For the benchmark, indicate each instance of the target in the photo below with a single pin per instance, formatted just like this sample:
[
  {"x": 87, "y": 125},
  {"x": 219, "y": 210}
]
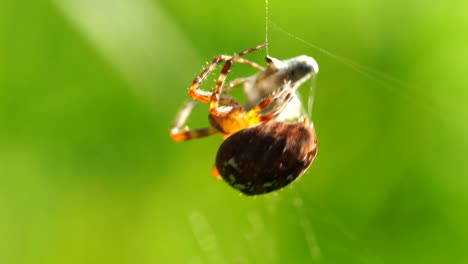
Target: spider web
[
  {"x": 393, "y": 85},
  {"x": 266, "y": 229}
]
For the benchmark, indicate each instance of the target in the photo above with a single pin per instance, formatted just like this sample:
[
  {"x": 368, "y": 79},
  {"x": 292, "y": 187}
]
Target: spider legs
[
  {"x": 204, "y": 96},
  {"x": 251, "y": 63},
  {"x": 214, "y": 100},
  {"x": 286, "y": 92},
  {"x": 178, "y": 134}
]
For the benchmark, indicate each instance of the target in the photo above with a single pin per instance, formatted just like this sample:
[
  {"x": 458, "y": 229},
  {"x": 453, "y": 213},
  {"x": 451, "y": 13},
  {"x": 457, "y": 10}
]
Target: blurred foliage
[{"x": 88, "y": 90}]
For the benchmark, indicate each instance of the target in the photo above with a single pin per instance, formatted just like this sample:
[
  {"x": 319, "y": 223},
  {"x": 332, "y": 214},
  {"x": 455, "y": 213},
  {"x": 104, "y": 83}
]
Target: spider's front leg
[
  {"x": 215, "y": 96},
  {"x": 200, "y": 95},
  {"x": 205, "y": 96}
]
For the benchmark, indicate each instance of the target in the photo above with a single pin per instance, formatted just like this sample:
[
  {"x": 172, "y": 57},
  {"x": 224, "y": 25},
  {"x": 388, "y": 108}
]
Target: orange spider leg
[
  {"x": 214, "y": 99},
  {"x": 254, "y": 115},
  {"x": 205, "y": 96},
  {"x": 215, "y": 173},
  {"x": 251, "y": 63},
  {"x": 178, "y": 134}
]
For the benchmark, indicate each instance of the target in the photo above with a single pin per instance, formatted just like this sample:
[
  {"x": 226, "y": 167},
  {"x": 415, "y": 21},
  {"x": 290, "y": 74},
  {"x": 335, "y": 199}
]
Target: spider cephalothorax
[{"x": 269, "y": 142}]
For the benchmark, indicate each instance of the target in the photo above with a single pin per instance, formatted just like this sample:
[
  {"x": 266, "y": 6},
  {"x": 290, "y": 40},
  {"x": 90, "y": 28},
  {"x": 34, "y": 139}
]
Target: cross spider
[{"x": 268, "y": 141}]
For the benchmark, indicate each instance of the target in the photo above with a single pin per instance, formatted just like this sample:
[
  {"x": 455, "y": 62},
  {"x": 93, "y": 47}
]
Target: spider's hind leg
[
  {"x": 193, "y": 134},
  {"x": 178, "y": 134}
]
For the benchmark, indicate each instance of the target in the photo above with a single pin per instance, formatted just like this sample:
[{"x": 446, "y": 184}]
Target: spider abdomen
[{"x": 266, "y": 157}]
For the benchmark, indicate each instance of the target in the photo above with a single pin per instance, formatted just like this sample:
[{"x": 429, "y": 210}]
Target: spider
[{"x": 268, "y": 141}]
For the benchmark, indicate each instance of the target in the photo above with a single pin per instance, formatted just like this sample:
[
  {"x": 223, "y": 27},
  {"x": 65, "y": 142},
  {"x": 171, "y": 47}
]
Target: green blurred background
[{"x": 88, "y": 173}]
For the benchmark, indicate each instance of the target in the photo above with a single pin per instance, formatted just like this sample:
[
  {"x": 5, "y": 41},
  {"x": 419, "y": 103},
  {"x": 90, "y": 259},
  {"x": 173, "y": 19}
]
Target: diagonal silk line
[{"x": 136, "y": 37}]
